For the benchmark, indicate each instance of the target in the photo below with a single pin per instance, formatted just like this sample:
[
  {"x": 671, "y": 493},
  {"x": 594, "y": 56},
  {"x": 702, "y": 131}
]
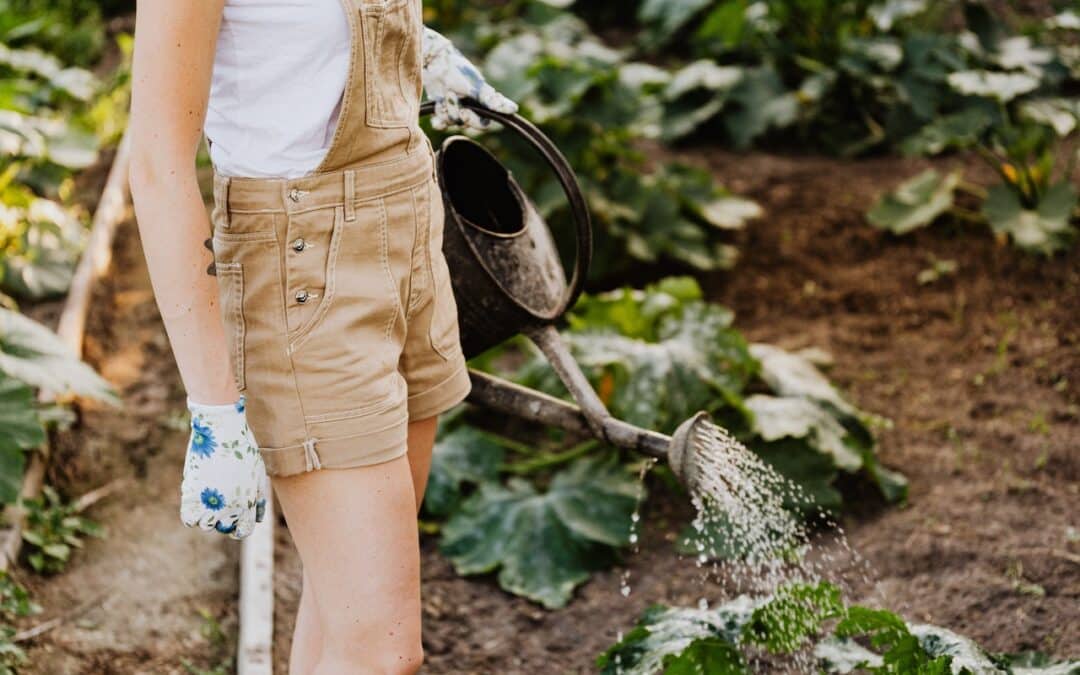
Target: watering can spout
[
  {"x": 682, "y": 452},
  {"x": 679, "y": 450}
]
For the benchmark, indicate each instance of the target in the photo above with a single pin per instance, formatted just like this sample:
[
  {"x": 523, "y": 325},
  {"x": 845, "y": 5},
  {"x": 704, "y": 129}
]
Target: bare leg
[
  {"x": 307, "y": 634},
  {"x": 355, "y": 530},
  {"x": 421, "y": 440}
]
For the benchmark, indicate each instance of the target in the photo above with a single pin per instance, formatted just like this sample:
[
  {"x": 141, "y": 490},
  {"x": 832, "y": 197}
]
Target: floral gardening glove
[
  {"x": 449, "y": 77},
  {"x": 225, "y": 484}
]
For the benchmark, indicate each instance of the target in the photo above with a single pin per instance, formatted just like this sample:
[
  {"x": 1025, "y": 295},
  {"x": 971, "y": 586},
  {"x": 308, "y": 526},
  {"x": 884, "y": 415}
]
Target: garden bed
[{"x": 978, "y": 372}]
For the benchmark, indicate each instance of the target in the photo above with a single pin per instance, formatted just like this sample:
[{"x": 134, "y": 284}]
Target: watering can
[{"x": 508, "y": 278}]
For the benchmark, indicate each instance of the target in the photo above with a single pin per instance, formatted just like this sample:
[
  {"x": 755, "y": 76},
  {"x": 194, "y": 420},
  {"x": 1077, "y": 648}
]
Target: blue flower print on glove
[{"x": 225, "y": 485}]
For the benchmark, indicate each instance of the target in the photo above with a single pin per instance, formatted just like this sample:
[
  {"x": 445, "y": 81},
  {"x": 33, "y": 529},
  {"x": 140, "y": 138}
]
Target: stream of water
[{"x": 749, "y": 536}]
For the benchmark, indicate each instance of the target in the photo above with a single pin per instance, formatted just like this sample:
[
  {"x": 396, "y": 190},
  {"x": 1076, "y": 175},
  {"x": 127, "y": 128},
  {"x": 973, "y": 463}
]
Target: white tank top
[{"x": 279, "y": 74}]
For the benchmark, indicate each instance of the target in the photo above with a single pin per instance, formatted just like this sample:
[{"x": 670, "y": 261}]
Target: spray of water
[{"x": 748, "y": 537}]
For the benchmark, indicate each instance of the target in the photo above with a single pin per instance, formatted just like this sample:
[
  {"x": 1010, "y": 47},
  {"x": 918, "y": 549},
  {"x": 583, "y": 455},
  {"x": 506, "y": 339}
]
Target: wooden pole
[{"x": 254, "y": 650}]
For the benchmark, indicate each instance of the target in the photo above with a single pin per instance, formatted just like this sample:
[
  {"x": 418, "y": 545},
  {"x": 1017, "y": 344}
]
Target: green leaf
[
  {"x": 793, "y": 375},
  {"x": 12, "y": 466},
  {"x": 1060, "y": 114},
  {"x": 58, "y": 551},
  {"x": 793, "y": 616},
  {"x": 544, "y": 543},
  {"x": 1036, "y": 663},
  {"x": 961, "y": 652},
  {"x": 696, "y": 94},
  {"x": 950, "y": 132},
  {"x": 804, "y": 465},
  {"x": 664, "y": 633},
  {"x": 1019, "y": 53},
  {"x": 825, "y": 421},
  {"x": 730, "y": 213},
  {"x": 709, "y": 655},
  {"x": 77, "y": 82},
  {"x": 763, "y": 104},
  {"x": 776, "y": 418},
  {"x": 666, "y": 17},
  {"x": 461, "y": 456},
  {"x": 1046, "y": 229},
  {"x": 696, "y": 362},
  {"x": 916, "y": 203},
  {"x": 888, "y": 633},
  {"x": 886, "y": 14},
  {"x": 844, "y": 655},
  {"x": 20, "y": 429},
  {"x": 1002, "y": 87},
  {"x": 19, "y": 423},
  {"x": 32, "y": 353}
]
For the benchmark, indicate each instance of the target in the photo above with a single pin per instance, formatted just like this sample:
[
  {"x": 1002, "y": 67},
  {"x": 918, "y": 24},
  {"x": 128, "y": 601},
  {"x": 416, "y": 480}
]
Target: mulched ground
[{"x": 979, "y": 371}]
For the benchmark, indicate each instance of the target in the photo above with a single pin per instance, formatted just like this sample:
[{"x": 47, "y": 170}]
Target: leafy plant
[
  {"x": 12, "y": 655},
  {"x": 597, "y": 106},
  {"x": 32, "y": 353},
  {"x": 74, "y": 30},
  {"x": 53, "y": 529},
  {"x": 852, "y": 76},
  {"x": 916, "y": 202},
  {"x": 545, "y": 542},
  {"x": 15, "y": 600},
  {"x": 217, "y": 640},
  {"x": 658, "y": 355},
  {"x": 1029, "y": 206},
  {"x": 666, "y": 636},
  {"x": 544, "y": 516},
  {"x": 20, "y": 429},
  {"x": 721, "y": 639}
]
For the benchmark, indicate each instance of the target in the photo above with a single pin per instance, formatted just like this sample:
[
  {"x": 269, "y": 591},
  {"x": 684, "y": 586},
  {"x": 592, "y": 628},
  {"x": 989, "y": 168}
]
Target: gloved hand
[
  {"x": 449, "y": 77},
  {"x": 225, "y": 484}
]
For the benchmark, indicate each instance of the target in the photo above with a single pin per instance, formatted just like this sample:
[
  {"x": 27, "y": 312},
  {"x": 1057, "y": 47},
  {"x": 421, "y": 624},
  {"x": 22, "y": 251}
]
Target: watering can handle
[{"x": 565, "y": 174}]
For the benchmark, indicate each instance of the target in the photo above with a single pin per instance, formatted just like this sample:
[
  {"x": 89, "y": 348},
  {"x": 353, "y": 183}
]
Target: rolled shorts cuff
[
  {"x": 441, "y": 397},
  {"x": 386, "y": 442}
]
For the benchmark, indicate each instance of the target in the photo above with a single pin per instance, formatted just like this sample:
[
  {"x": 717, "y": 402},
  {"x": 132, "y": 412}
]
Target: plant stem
[
  {"x": 967, "y": 215},
  {"x": 972, "y": 189},
  {"x": 510, "y": 444},
  {"x": 547, "y": 461}
]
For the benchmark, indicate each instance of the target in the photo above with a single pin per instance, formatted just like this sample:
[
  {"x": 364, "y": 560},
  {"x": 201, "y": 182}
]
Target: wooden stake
[{"x": 254, "y": 650}]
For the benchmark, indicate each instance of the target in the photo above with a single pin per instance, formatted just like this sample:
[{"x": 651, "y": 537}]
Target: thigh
[{"x": 356, "y": 533}]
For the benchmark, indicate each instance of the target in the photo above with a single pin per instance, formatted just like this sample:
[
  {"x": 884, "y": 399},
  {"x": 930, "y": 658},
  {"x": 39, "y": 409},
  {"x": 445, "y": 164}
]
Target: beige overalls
[{"x": 335, "y": 294}]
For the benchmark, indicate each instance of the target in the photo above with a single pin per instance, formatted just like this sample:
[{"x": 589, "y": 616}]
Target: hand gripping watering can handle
[{"x": 565, "y": 174}]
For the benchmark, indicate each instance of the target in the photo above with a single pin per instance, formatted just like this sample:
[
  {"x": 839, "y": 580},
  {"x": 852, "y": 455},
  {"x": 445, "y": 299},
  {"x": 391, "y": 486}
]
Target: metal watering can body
[
  {"x": 505, "y": 267},
  {"x": 508, "y": 278}
]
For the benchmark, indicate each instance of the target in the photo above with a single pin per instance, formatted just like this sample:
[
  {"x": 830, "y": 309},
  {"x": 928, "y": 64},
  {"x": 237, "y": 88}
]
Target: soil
[
  {"x": 979, "y": 372},
  {"x": 151, "y": 595}
]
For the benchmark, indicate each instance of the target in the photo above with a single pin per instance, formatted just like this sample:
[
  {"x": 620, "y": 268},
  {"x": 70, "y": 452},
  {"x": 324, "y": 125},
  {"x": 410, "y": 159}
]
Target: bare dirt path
[{"x": 153, "y": 593}]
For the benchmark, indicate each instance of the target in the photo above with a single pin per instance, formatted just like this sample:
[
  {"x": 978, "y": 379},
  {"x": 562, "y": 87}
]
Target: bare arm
[{"x": 174, "y": 54}]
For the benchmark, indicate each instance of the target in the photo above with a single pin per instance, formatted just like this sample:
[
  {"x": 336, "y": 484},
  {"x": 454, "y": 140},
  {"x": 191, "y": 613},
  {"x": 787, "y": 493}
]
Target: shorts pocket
[
  {"x": 311, "y": 251},
  {"x": 231, "y": 295},
  {"x": 443, "y": 331},
  {"x": 392, "y": 50}
]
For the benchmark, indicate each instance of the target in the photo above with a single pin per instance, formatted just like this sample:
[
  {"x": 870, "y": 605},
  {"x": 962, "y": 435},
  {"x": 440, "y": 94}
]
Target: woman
[{"x": 315, "y": 332}]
